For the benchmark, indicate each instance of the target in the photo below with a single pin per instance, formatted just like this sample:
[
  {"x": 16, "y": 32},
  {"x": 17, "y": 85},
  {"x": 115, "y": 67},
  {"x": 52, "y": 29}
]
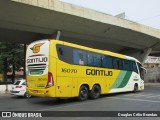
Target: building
[{"x": 152, "y": 64}]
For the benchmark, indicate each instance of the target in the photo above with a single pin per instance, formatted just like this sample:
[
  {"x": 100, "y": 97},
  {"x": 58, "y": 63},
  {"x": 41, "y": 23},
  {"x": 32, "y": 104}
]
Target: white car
[{"x": 19, "y": 89}]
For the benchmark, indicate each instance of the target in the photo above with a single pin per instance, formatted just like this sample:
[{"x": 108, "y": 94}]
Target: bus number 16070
[{"x": 66, "y": 70}]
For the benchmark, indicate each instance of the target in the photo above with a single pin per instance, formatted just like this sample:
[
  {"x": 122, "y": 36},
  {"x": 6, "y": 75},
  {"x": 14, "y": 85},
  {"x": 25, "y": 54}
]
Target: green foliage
[{"x": 13, "y": 54}]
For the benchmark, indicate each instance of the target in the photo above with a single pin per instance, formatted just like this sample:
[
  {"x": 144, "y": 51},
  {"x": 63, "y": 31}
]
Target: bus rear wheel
[
  {"x": 83, "y": 93},
  {"x": 95, "y": 92}
]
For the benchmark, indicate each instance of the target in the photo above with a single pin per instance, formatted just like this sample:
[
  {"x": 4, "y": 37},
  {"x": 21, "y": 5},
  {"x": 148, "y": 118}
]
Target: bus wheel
[
  {"x": 95, "y": 92},
  {"x": 135, "y": 88},
  {"x": 83, "y": 93}
]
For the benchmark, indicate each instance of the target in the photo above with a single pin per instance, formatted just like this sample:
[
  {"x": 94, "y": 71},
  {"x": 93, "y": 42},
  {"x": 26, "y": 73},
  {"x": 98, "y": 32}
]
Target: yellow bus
[{"x": 60, "y": 69}]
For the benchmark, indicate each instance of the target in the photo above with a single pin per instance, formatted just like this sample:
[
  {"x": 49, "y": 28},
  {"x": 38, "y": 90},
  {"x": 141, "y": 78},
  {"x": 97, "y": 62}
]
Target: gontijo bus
[{"x": 61, "y": 69}]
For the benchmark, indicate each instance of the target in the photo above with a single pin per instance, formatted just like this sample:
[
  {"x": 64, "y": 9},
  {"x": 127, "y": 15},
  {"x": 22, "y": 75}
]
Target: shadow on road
[
  {"x": 50, "y": 101},
  {"x": 53, "y": 101}
]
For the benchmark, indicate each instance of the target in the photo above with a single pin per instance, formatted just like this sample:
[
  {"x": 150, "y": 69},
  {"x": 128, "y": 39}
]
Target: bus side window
[
  {"x": 65, "y": 53},
  {"x": 107, "y": 62},
  {"x": 60, "y": 51},
  {"x": 126, "y": 65},
  {"x": 94, "y": 59},
  {"x": 79, "y": 57},
  {"x": 117, "y": 63}
]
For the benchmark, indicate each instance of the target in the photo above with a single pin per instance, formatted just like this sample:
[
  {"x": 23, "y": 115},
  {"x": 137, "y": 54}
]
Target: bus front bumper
[{"x": 141, "y": 87}]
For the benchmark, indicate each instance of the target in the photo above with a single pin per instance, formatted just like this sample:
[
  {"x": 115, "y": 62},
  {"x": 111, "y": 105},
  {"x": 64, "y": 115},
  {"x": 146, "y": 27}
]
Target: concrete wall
[
  {"x": 3, "y": 88},
  {"x": 153, "y": 74}
]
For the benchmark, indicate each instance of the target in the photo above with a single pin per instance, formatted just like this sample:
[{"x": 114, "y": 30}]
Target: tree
[{"x": 11, "y": 55}]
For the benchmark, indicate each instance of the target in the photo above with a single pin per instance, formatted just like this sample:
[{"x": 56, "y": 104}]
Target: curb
[{"x": 152, "y": 84}]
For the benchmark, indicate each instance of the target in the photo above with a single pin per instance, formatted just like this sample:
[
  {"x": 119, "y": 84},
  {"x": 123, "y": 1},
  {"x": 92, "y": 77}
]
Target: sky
[{"x": 146, "y": 12}]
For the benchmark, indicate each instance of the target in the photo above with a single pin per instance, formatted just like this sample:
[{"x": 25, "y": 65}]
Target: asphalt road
[{"x": 148, "y": 100}]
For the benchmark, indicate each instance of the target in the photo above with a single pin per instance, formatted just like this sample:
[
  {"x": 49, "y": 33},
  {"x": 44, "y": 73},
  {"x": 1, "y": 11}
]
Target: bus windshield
[{"x": 142, "y": 71}]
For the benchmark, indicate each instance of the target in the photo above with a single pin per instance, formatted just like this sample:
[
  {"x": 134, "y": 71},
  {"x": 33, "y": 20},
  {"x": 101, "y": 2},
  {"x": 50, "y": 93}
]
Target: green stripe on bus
[
  {"x": 125, "y": 80},
  {"x": 119, "y": 79}
]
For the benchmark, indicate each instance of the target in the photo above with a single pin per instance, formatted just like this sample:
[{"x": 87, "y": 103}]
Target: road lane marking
[
  {"x": 143, "y": 95},
  {"x": 129, "y": 95},
  {"x": 75, "y": 104},
  {"x": 153, "y": 96},
  {"x": 94, "y": 101},
  {"x": 137, "y": 95},
  {"x": 154, "y": 101}
]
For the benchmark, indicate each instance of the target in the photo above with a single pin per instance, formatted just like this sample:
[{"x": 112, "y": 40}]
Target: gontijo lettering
[
  {"x": 98, "y": 72},
  {"x": 35, "y": 60}
]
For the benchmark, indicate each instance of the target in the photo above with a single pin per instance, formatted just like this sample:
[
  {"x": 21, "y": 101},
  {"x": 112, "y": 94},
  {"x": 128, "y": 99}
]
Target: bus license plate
[{"x": 35, "y": 91}]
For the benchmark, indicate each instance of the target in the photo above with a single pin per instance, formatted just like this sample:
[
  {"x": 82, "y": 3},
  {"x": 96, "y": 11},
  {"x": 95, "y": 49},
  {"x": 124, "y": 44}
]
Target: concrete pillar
[
  {"x": 141, "y": 55},
  {"x": 58, "y": 35},
  {"x": 145, "y": 55},
  {"x": 24, "y": 68}
]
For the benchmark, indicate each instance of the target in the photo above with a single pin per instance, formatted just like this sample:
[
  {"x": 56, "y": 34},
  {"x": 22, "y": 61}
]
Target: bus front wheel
[
  {"x": 95, "y": 92},
  {"x": 83, "y": 93},
  {"x": 135, "y": 88}
]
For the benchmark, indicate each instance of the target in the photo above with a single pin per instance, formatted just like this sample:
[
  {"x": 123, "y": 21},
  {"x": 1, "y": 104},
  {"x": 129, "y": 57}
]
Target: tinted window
[
  {"x": 141, "y": 71},
  {"x": 117, "y": 63},
  {"x": 107, "y": 62},
  {"x": 65, "y": 53},
  {"x": 79, "y": 57},
  {"x": 126, "y": 65},
  {"x": 24, "y": 83},
  {"x": 94, "y": 59},
  {"x": 134, "y": 67},
  {"x": 17, "y": 83}
]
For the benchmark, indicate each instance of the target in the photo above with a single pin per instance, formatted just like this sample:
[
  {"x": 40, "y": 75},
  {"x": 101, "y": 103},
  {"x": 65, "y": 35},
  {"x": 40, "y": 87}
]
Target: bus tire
[
  {"x": 95, "y": 92},
  {"x": 83, "y": 93},
  {"x": 135, "y": 88}
]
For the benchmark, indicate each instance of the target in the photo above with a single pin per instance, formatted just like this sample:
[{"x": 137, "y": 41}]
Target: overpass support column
[
  {"x": 58, "y": 34},
  {"x": 141, "y": 55},
  {"x": 146, "y": 53}
]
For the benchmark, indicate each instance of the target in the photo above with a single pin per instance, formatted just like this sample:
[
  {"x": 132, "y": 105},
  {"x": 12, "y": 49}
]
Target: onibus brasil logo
[{"x": 36, "y": 47}]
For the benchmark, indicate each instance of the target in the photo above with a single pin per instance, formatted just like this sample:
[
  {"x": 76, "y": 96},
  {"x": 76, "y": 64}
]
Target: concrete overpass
[{"x": 23, "y": 21}]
